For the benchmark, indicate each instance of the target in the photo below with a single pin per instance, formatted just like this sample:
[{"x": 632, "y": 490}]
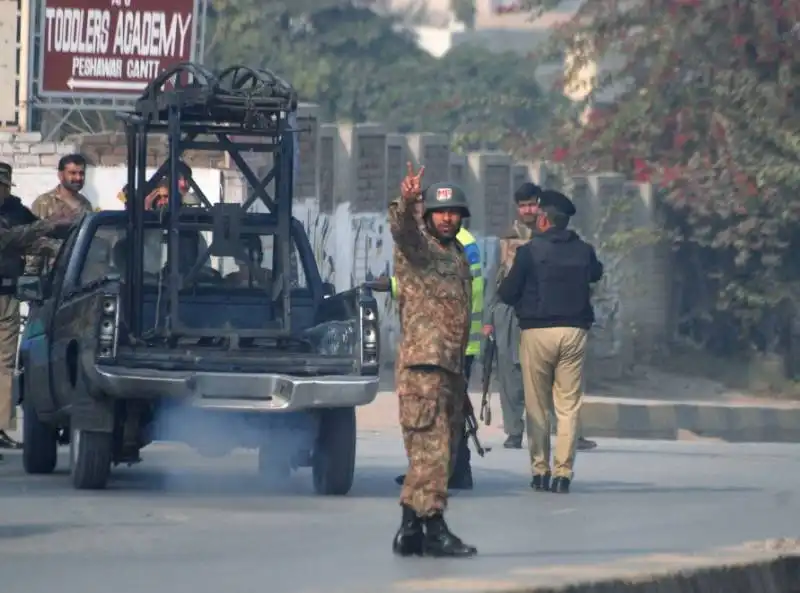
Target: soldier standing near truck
[
  {"x": 461, "y": 478},
  {"x": 63, "y": 201},
  {"x": 435, "y": 289},
  {"x": 20, "y": 231}
]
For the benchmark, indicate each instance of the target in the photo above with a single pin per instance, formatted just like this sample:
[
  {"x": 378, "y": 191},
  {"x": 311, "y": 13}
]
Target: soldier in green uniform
[
  {"x": 20, "y": 233},
  {"x": 63, "y": 201},
  {"x": 435, "y": 293}
]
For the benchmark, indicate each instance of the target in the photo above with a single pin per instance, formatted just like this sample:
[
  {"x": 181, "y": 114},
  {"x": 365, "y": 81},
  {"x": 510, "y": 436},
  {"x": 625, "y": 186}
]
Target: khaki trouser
[
  {"x": 552, "y": 371},
  {"x": 9, "y": 336}
]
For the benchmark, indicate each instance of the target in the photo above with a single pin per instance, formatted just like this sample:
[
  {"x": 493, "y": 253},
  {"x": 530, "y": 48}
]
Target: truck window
[{"x": 108, "y": 254}]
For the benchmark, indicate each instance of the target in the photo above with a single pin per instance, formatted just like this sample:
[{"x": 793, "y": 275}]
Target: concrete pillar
[
  {"x": 396, "y": 157},
  {"x": 490, "y": 190},
  {"x": 306, "y": 183},
  {"x": 328, "y": 139},
  {"x": 360, "y": 159},
  {"x": 458, "y": 169},
  {"x": 433, "y": 151}
]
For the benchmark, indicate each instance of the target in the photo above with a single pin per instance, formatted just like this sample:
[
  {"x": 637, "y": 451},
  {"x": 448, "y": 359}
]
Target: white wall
[{"x": 102, "y": 184}]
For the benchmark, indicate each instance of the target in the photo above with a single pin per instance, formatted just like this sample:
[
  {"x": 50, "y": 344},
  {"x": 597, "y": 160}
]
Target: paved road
[{"x": 179, "y": 523}]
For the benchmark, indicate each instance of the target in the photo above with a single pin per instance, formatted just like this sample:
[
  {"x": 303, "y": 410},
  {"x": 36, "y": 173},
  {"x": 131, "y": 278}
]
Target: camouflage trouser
[
  {"x": 9, "y": 334},
  {"x": 432, "y": 419}
]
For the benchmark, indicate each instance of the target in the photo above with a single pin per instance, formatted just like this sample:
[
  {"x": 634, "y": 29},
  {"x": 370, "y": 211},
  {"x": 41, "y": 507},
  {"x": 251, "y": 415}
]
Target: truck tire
[
  {"x": 334, "y": 461},
  {"x": 90, "y": 459},
  {"x": 39, "y": 442}
]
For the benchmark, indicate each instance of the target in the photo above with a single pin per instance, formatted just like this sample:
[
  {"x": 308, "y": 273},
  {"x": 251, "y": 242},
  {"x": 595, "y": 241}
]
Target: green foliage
[
  {"x": 705, "y": 105},
  {"x": 362, "y": 66}
]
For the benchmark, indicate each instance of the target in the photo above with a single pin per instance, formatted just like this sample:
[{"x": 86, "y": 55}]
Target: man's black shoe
[
  {"x": 585, "y": 444},
  {"x": 560, "y": 485},
  {"x": 408, "y": 539},
  {"x": 6, "y": 442},
  {"x": 457, "y": 482},
  {"x": 541, "y": 482},
  {"x": 514, "y": 441},
  {"x": 440, "y": 542}
]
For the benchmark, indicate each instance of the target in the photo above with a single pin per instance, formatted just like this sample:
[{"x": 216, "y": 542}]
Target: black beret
[
  {"x": 527, "y": 191},
  {"x": 550, "y": 198}
]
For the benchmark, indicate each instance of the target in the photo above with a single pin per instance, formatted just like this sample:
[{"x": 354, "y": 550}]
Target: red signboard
[{"x": 113, "y": 47}]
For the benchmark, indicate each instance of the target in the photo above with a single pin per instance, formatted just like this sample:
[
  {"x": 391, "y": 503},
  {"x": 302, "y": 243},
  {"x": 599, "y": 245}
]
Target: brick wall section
[
  {"x": 437, "y": 162},
  {"x": 498, "y": 191},
  {"x": 110, "y": 150},
  {"x": 395, "y": 169},
  {"x": 370, "y": 174},
  {"x": 306, "y": 181},
  {"x": 326, "y": 174},
  {"x": 27, "y": 149}
]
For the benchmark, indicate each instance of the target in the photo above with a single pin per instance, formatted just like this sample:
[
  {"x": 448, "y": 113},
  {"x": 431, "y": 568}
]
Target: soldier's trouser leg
[
  {"x": 9, "y": 335},
  {"x": 430, "y": 402},
  {"x": 461, "y": 461},
  {"x": 552, "y": 368},
  {"x": 512, "y": 394}
]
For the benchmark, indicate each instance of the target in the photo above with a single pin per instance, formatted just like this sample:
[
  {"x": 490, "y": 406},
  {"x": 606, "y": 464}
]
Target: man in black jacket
[{"x": 549, "y": 287}]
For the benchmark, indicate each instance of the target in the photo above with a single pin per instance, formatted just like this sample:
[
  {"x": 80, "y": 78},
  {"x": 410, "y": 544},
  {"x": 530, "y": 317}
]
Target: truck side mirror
[
  {"x": 30, "y": 289},
  {"x": 328, "y": 290}
]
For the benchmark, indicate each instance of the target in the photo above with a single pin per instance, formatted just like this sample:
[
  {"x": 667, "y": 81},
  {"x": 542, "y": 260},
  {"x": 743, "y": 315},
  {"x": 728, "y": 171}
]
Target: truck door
[{"x": 38, "y": 334}]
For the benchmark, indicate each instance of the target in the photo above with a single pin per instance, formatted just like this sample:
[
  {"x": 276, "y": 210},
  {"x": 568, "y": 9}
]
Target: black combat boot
[
  {"x": 408, "y": 540},
  {"x": 560, "y": 485},
  {"x": 439, "y": 542},
  {"x": 541, "y": 482}
]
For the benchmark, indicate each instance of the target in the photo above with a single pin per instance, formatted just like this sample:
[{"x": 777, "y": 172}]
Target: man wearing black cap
[{"x": 549, "y": 287}]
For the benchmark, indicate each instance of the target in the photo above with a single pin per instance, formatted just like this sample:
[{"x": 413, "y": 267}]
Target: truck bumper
[{"x": 254, "y": 392}]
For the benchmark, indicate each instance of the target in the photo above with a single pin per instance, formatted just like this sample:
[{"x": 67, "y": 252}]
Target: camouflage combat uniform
[
  {"x": 435, "y": 295},
  {"x": 20, "y": 232},
  {"x": 46, "y": 206}
]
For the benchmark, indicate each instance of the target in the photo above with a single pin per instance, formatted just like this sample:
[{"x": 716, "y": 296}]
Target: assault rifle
[
  {"x": 472, "y": 426},
  {"x": 489, "y": 351}
]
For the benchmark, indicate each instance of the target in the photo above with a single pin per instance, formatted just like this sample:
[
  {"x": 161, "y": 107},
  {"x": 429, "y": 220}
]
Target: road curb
[
  {"x": 663, "y": 420},
  {"x": 745, "y": 569}
]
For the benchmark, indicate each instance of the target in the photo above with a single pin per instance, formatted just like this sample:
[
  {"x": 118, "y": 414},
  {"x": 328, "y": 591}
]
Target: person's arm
[
  {"x": 513, "y": 285},
  {"x": 26, "y": 237},
  {"x": 595, "y": 267},
  {"x": 407, "y": 234}
]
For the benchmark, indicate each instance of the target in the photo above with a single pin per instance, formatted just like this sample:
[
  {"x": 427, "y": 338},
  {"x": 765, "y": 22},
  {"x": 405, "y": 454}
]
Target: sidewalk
[{"x": 680, "y": 412}]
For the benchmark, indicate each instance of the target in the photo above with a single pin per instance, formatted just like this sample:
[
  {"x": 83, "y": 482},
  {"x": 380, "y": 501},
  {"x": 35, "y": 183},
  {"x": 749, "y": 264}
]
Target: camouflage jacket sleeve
[
  {"x": 25, "y": 237},
  {"x": 406, "y": 232}
]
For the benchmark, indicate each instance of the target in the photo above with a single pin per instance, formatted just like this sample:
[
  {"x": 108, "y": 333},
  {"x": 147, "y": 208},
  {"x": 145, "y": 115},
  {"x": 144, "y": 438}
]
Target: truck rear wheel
[
  {"x": 334, "y": 461},
  {"x": 39, "y": 442},
  {"x": 90, "y": 457}
]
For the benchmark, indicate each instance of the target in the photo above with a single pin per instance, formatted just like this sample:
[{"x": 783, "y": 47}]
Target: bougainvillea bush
[{"x": 703, "y": 100}]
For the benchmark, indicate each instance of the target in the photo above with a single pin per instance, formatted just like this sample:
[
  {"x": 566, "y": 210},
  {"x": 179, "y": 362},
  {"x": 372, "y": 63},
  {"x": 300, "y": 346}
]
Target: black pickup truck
[{"x": 83, "y": 378}]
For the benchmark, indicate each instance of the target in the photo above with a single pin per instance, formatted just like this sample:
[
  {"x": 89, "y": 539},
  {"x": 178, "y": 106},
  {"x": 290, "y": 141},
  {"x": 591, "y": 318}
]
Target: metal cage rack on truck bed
[{"x": 235, "y": 110}]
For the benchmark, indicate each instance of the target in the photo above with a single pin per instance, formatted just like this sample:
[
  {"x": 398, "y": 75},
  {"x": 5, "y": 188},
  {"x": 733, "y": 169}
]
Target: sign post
[{"x": 113, "y": 48}]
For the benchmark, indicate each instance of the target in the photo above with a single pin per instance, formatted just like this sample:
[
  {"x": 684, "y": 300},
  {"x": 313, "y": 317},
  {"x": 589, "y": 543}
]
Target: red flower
[
  {"x": 559, "y": 154},
  {"x": 739, "y": 41}
]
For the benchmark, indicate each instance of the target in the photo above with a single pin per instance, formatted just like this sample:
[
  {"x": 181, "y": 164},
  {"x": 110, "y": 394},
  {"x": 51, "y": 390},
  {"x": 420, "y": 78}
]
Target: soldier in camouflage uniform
[
  {"x": 63, "y": 201},
  {"x": 435, "y": 292},
  {"x": 20, "y": 232}
]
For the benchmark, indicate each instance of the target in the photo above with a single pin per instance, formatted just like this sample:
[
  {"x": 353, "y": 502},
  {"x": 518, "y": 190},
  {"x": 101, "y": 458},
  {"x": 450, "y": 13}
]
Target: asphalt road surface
[{"x": 180, "y": 523}]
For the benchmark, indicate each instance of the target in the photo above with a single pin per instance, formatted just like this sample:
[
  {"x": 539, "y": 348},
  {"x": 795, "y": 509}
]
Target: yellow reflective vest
[{"x": 473, "y": 253}]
